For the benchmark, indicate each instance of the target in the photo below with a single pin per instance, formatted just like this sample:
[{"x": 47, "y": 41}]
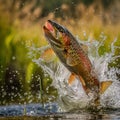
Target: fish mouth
[{"x": 53, "y": 32}]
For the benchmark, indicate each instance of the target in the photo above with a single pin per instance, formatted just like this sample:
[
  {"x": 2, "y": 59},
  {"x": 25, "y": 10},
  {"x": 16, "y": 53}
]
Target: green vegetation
[{"x": 21, "y": 80}]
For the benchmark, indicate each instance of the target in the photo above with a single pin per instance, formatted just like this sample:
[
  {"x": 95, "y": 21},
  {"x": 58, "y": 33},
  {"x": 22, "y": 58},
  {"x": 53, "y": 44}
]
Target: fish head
[
  {"x": 56, "y": 35},
  {"x": 62, "y": 42}
]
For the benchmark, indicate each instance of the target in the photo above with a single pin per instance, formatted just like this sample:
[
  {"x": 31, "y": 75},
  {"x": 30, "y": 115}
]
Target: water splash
[{"x": 73, "y": 96}]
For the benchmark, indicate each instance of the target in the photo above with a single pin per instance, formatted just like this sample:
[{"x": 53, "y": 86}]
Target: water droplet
[{"x": 13, "y": 57}]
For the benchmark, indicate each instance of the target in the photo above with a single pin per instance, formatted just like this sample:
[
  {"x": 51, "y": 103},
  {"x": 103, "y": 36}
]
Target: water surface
[{"x": 50, "y": 112}]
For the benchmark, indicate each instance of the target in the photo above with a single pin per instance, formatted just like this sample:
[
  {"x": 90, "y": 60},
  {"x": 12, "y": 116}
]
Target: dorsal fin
[{"x": 85, "y": 48}]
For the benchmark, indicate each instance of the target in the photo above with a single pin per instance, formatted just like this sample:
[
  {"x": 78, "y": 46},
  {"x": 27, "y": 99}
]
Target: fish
[{"x": 72, "y": 55}]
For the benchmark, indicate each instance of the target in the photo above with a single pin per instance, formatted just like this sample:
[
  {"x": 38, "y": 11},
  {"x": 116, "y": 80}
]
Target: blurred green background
[{"x": 21, "y": 21}]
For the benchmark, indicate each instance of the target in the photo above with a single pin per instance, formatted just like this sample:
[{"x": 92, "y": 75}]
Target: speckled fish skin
[{"x": 71, "y": 54}]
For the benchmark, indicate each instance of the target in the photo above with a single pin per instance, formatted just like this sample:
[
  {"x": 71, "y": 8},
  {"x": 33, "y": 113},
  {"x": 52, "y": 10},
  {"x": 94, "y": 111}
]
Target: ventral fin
[
  {"x": 48, "y": 55},
  {"x": 104, "y": 85},
  {"x": 71, "y": 78}
]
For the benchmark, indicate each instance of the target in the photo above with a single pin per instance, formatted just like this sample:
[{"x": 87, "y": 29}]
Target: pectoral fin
[
  {"x": 48, "y": 55},
  {"x": 104, "y": 85},
  {"x": 70, "y": 61}
]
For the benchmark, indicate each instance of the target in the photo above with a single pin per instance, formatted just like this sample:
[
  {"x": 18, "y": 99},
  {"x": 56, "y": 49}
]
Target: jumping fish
[{"x": 72, "y": 55}]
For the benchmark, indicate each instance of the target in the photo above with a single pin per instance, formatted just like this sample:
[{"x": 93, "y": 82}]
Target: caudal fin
[{"x": 104, "y": 85}]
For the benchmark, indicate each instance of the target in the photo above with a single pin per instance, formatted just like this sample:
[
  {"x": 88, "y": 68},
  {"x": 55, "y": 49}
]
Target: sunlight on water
[{"x": 73, "y": 96}]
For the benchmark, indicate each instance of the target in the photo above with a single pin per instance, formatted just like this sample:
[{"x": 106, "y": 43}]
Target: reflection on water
[{"x": 49, "y": 112}]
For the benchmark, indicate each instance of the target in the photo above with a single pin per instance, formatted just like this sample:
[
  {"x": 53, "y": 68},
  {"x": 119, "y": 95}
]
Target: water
[
  {"x": 28, "y": 109},
  {"x": 49, "y": 112},
  {"x": 72, "y": 102}
]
